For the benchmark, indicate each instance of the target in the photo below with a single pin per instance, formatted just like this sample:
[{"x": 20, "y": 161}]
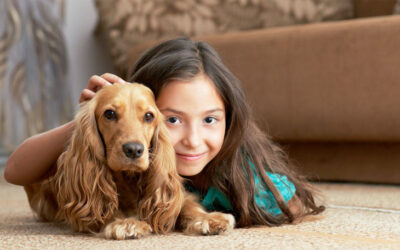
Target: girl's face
[{"x": 195, "y": 118}]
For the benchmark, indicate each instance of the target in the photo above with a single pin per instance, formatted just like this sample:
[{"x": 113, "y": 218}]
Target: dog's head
[
  {"x": 120, "y": 129},
  {"x": 126, "y": 117}
]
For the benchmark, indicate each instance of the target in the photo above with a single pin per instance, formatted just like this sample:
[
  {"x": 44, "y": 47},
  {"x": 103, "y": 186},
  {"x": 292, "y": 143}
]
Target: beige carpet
[{"x": 359, "y": 217}]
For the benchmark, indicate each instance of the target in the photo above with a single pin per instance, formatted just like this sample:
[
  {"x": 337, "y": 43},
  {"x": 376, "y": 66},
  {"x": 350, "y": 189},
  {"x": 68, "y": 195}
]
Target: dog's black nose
[{"x": 133, "y": 150}]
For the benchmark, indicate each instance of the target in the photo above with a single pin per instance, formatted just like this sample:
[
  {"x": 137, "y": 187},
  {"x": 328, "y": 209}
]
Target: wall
[{"x": 85, "y": 54}]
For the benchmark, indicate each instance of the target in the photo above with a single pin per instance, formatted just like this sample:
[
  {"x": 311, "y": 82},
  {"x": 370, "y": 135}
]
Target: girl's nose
[{"x": 192, "y": 137}]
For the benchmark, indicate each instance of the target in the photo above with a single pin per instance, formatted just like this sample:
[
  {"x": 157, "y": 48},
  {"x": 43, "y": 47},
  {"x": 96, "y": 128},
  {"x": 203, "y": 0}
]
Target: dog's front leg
[
  {"x": 126, "y": 228},
  {"x": 193, "y": 219}
]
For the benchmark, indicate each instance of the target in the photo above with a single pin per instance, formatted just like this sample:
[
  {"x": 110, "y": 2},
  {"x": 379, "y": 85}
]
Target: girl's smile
[
  {"x": 195, "y": 118},
  {"x": 190, "y": 157}
]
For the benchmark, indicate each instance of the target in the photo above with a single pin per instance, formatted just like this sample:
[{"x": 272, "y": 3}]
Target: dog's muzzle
[{"x": 133, "y": 150}]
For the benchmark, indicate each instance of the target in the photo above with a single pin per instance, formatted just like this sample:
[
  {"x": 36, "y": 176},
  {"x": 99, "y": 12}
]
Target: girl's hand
[{"x": 97, "y": 82}]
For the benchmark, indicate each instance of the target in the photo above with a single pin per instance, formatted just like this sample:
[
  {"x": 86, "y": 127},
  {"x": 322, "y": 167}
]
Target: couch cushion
[
  {"x": 126, "y": 23},
  {"x": 334, "y": 81}
]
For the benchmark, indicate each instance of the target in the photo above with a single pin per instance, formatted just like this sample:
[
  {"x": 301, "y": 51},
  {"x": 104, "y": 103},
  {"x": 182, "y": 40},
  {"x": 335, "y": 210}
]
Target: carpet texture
[{"x": 358, "y": 217}]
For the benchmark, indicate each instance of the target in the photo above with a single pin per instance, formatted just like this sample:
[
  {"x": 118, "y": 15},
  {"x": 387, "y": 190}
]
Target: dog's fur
[{"x": 98, "y": 188}]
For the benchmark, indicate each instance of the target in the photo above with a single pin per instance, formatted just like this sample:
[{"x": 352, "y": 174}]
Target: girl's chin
[
  {"x": 188, "y": 173},
  {"x": 189, "y": 170}
]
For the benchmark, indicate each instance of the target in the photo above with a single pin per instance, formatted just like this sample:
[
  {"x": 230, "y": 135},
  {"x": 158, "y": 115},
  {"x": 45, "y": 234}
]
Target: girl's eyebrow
[
  {"x": 181, "y": 112},
  {"x": 172, "y": 110},
  {"x": 214, "y": 110}
]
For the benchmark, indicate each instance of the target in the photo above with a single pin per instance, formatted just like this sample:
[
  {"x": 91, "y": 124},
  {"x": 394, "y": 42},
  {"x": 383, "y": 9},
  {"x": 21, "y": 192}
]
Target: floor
[{"x": 358, "y": 216}]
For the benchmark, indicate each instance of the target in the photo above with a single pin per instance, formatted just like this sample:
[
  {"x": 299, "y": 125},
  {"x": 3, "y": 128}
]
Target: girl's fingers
[
  {"x": 96, "y": 82},
  {"x": 112, "y": 78},
  {"x": 86, "y": 95}
]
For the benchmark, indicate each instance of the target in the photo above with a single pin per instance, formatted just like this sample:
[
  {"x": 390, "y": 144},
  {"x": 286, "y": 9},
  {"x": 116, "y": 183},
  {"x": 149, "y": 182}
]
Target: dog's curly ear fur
[
  {"x": 163, "y": 195},
  {"x": 85, "y": 188}
]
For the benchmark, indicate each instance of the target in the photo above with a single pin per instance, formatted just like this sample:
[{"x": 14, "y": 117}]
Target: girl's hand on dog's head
[{"x": 97, "y": 82}]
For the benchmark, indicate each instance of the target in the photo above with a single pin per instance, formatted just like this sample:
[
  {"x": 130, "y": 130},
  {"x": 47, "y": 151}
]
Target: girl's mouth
[{"x": 190, "y": 157}]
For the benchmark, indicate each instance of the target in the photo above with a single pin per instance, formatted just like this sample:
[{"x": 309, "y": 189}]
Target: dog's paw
[
  {"x": 129, "y": 228},
  {"x": 211, "y": 224}
]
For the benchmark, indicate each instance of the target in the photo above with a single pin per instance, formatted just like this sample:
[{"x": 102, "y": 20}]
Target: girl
[{"x": 225, "y": 158}]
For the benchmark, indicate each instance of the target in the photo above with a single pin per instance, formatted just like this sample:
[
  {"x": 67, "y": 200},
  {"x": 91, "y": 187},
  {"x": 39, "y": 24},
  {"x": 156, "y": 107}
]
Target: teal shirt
[{"x": 215, "y": 200}]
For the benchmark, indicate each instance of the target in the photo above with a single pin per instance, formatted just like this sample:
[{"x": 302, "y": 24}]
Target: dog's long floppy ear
[
  {"x": 86, "y": 192},
  {"x": 163, "y": 195}
]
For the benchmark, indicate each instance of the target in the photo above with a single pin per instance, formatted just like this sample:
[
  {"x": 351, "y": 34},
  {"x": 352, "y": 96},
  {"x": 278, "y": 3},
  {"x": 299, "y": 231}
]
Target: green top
[{"x": 215, "y": 200}]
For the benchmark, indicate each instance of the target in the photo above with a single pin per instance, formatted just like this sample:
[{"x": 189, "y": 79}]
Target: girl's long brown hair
[{"x": 230, "y": 171}]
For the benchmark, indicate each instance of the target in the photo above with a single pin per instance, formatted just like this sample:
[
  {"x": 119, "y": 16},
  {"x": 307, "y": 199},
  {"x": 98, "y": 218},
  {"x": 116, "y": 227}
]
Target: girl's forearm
[{"x": 34, "y": 158}]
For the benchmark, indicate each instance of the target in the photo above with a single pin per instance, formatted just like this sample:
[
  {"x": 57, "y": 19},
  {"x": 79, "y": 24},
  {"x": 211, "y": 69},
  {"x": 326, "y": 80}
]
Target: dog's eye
[
  {"x": 110, "y": 114},
  {"x": 148, "y": 117}
]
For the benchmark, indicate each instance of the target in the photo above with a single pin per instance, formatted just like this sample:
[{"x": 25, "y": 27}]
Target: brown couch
[{"x": 328, "y": 92}]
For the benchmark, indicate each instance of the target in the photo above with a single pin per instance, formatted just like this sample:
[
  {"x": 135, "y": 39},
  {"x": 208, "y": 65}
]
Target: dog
[{"x": 117, "y": 177}]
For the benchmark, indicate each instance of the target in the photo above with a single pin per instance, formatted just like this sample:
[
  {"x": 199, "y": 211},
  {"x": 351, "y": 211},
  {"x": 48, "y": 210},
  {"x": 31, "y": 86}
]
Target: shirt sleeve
[{"x": 264, "y": 197}]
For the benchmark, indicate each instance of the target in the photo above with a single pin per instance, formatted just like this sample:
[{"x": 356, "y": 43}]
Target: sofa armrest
[{"x": 334, "y": 81}]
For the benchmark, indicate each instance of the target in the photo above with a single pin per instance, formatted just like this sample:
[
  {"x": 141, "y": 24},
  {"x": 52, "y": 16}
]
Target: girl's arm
[{"x": 35, "y": 157}]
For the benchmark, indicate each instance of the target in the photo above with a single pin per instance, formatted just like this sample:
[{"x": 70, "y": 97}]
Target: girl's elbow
[
  {"x": 9, "y": 173},
  {"x": 295, "y": 206},
  {"x": 13, "y": 171}
]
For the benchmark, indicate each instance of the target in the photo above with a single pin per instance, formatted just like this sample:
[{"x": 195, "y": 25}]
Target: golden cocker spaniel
[{"x": 118, "y": 176}]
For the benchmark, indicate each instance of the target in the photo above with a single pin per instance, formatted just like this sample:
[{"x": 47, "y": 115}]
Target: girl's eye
[
  {"x": 110, "y": 115},
  {"x": 210, "y": 120},
  {"x": 148, "y": 117},
  {"x": 173, "y": 120}
]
